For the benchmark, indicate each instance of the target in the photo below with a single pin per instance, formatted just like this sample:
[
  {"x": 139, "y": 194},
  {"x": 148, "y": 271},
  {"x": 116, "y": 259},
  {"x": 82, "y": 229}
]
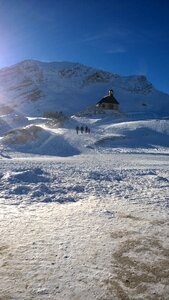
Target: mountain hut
[{"x": 108, "y": 102}]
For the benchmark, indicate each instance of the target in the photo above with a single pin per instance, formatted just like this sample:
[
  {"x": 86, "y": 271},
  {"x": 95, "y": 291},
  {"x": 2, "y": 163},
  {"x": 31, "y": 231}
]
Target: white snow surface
[
  {"x": 86, "y": 227},
  {"x": 84, "y": 216}
]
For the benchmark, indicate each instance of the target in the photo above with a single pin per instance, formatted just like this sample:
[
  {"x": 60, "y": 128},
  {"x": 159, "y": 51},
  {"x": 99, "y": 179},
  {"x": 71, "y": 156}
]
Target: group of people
[{"x": 82, "y": 129}]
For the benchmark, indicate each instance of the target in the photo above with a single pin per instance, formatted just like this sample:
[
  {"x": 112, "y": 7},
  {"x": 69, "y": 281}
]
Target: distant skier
[
  {"x": 77, "y": 129},
  {"x": 88, "y": 130}
]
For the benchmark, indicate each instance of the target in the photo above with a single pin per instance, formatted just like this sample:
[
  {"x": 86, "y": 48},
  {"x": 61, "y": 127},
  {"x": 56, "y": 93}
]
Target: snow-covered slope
[
  {"x": 33, "y": 87},
  {"x": 107, "y": 136}
]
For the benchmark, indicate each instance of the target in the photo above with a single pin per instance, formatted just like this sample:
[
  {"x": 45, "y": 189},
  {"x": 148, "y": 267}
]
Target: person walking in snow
[
  {"x": 81, "y": 129},
  {"x": 77, "y": 129},
  {"x": 86, "y": 129}
]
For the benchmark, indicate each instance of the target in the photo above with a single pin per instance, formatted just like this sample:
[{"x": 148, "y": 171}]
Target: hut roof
[{"x": 108, "y": 99}]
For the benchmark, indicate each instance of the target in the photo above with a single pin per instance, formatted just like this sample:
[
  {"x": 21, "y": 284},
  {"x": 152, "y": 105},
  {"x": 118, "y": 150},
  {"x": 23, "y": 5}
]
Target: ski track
[{"x": 86, "y": 227}]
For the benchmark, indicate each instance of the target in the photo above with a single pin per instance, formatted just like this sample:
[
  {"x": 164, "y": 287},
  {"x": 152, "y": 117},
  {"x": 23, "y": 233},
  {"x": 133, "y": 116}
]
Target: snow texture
[{"x": 88, "y": 227}]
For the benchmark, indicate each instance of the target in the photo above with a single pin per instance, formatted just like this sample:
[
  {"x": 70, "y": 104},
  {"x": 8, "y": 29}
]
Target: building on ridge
[{"x": 108, "y": 102}]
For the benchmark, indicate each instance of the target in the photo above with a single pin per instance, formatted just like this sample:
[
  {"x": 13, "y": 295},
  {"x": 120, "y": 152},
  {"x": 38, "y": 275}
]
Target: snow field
[{"x": 85, "y": 227}]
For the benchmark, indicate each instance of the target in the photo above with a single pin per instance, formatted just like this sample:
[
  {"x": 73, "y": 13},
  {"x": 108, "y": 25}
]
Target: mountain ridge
[{"x": 32, "y": 87}]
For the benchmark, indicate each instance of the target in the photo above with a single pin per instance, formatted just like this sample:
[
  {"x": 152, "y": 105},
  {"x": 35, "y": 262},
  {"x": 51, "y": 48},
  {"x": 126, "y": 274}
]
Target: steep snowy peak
[
  {"x": 41, "y": 72},
  {"x": 29, "y": 73},
  {"x": 33, "y": 87}
]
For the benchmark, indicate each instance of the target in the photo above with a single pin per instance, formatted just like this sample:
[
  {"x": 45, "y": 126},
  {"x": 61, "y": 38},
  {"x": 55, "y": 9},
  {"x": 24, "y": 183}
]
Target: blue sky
[{"x": 122, "y": 36}]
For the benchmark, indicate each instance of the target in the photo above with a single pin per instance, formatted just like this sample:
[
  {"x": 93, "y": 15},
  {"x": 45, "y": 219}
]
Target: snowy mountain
[
  {"x": 83, "y": 216},
  {"x": 32, "y": 88}
]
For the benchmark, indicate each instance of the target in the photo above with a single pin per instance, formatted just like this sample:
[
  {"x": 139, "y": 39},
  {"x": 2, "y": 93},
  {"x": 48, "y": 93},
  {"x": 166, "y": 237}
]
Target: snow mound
[
  {"x": 137, "y": 134},
  {"x": 37, "y": 140},
  {"x": 25, "y": 176},
  {"x": 22, "y": 135}
]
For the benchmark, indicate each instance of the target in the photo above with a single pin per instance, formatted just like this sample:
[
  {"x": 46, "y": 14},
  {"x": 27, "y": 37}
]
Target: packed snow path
[{"x": 86, "y": 227}]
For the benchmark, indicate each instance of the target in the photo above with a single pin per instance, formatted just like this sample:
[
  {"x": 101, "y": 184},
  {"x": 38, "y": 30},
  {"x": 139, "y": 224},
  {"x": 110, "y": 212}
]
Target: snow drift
[{"x": 37, "y": 140}]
